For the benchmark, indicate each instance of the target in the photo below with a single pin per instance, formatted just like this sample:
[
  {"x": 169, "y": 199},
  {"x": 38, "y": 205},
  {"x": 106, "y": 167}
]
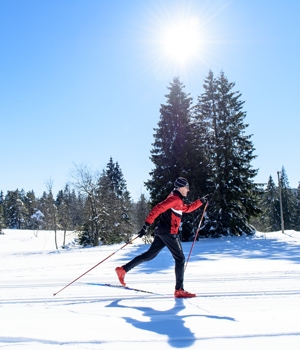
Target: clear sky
[{"x": 82, "y": 81}]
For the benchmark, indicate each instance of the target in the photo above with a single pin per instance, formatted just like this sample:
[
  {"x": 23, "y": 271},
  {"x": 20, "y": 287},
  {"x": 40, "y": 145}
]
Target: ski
[
  {"x": 124, "y": 287},
  {"x": 153, "y": 294}
]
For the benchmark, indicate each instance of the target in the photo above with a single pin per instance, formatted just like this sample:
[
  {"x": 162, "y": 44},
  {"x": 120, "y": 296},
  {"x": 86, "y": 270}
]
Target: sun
[
  {"x": 175, "y": 41},
  {"x": 181, "y": 41}
]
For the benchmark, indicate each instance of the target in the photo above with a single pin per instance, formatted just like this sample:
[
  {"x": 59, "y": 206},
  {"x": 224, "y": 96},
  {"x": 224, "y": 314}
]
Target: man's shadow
[{"x": 166, "y": 322}]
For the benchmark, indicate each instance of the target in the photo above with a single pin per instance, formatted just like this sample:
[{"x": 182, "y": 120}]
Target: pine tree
[
  {"x": 116, "y": 206},
  {"x": 77, "y": 209},
  {"x": 63, "y": 204},
  {"x": 2, "y": 219},
  {"x": 107, "y": 206},
  {"x": 172, "y": 143},
  {"x": 173, "y": 153},
  {"x": 14, "y": 210},
  {"x": 204, "y": 128},
  {"x": 288, "y": 201},
  {"x": 271, "y": 207},
  {"x": 44, "y": 222},
  {"x": 30, "y": 205},
  {"x": 230, "y": 153},
  {"x": 297, "y": 210},
  {"x": 141, "y": 210}
]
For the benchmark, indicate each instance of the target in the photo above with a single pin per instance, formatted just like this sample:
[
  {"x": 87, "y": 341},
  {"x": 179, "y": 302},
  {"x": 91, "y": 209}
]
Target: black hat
[{"x": 181, "y": 182}]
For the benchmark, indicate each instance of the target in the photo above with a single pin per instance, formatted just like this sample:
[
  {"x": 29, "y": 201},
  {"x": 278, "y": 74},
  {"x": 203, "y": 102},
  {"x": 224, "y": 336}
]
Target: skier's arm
[
  {"x": 187, "y": 208},
  {"x": 161, "y": 207}
]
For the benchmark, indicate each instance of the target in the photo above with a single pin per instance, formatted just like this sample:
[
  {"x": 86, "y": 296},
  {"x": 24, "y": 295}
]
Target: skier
[{"x": 166, "y": 234}]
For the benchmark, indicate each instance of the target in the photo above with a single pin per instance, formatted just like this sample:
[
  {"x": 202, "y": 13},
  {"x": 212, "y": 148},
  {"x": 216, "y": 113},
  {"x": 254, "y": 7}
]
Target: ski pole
[
  {"x": 199, "y": 226},
  {"x": 95, "y": 265},
  {"x": 196, "y": 235}
]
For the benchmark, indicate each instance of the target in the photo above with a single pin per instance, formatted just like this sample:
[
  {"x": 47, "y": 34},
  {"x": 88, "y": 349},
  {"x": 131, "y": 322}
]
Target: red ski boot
[
  {"x": 121, "y": 275},
  {"x": 180, "y": 293}
]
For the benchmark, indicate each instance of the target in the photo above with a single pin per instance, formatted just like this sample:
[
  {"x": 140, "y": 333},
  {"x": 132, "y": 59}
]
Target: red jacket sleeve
[
  {"x": 171, "y": 202},
  {"x": 187, "y": 208},
  {"x": 161, "y": 207}
]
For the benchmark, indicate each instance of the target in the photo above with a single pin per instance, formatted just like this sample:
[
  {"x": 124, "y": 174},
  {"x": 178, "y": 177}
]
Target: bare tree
[{"x": 87, "y": 184}]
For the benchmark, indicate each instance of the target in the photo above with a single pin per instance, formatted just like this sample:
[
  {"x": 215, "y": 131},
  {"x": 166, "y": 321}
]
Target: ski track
[
  {"x": 125, "y": 294},
  {"x": 244, "y": 299}
]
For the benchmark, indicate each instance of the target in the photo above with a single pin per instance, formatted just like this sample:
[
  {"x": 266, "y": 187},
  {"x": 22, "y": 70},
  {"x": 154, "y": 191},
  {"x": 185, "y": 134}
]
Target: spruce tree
[
  {"x": 173, "y": 153},
  {"x": 64, "y": 215},
  {"x": 230, "y": 152},
  {"x": 14, "y": 210},
  {"x": 44, "y": 223},
  {"x": 297, "y": 210},
  {"x": 172, "y": 143},
  {"x": 271, "y": 207},
  {"x": 2, "y": 219},
  {"x": 116, "y": 206},
  {"x": 204, "y": 128},
  {"x": 31, "y": 207},
  {"x": 77, "y": 209},
  {"x": 141, "y": 210},
  {"x": 288, "y": 201},
  {"x": 107, "y": 206}
]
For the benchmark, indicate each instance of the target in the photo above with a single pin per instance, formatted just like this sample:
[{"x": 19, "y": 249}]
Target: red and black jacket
[{"x": 170, "y": 211}]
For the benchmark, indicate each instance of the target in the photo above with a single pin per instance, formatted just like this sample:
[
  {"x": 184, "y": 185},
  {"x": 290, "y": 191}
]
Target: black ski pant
[{"x": 172, "y": 242}]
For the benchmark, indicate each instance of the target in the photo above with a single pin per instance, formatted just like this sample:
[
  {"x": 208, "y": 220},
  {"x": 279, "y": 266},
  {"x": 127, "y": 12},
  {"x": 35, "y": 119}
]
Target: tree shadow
[
  {"x": 250, "y": 248},
  {"x": 238, "y": 247},
  {"x": 166, "y": 322}
]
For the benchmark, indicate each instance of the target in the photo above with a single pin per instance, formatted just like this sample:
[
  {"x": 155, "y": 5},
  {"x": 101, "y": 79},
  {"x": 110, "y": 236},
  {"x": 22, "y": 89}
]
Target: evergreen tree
[
  {"x": 230, "y": 153},
  {"x": 271, "y": 207},
  {"x": 288, "y": 201},
  {"x": 43, "y": 218},
  {"x": 172, "y": 143},
  {"x": 64, "y": 210},
  {"x": 47, "y": 215},
  {"x": 31, "y": 208},
  {"x": 116, "y": 206},
  {"x": 174, "y": 154},
  {"x": 14, "y": 210},
  {"x": 297, "y": 210},
  {"x": 141, "y": 210},
  {"x": 52, "y": 214},
  {"x": 107, "y": 206},
  {"x": 204, "y": 128},
  {"x": 2, "y": 219},
  {"x": 76, "y": 203}
]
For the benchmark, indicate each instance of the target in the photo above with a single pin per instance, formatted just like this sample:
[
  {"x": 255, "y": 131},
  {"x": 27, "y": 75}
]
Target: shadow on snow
[
  {"x": 237, "y": 247},
  {"x": 166, "y": 322}
]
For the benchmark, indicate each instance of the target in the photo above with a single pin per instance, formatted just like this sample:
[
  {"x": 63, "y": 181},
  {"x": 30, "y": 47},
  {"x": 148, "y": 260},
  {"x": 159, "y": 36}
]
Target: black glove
[
  {"x": 144, "y": 230},
  {"x": 204, "y": 199}
]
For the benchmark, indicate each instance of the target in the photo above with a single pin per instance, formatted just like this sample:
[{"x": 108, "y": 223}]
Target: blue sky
[{"x": 82, "y": 81}]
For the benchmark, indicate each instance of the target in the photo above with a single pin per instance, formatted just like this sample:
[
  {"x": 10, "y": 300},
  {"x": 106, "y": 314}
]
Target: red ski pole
[
  {"x": 196, "y": 235},
  {"x": 95, "y": 266},
  {"x": 199, "y": 226}
]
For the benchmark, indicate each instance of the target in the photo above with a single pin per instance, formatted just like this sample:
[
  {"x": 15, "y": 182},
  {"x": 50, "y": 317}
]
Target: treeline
[
  {"x": 270, "y": 218},
  {"x": 98, "y": 206},
  {"x": 206, "y": 142},
  {"x": 71, "y": 209}
]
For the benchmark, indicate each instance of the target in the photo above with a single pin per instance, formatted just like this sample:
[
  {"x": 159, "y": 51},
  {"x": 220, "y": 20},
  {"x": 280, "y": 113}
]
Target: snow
[{"x": 248, "y": 295}]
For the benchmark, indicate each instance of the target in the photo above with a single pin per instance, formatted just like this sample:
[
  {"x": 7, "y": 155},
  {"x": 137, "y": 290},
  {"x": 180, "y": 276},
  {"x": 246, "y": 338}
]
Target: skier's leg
[
  {"x": 156, "y": 246},
  {"x": 174, "y": 245}
]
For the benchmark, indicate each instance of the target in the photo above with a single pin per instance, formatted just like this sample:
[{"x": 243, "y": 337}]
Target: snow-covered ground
[{"x": 248, "y": 295}]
